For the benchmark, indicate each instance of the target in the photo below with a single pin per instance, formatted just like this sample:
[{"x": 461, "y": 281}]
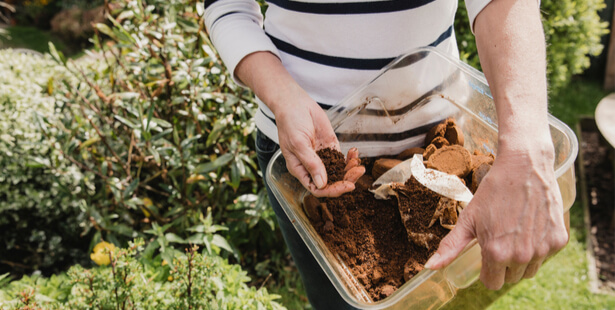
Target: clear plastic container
[{"x": 414, "y": 92}]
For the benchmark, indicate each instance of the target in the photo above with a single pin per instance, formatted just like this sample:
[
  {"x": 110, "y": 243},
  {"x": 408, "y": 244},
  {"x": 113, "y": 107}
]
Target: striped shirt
[{"x": 330, "y": 48}]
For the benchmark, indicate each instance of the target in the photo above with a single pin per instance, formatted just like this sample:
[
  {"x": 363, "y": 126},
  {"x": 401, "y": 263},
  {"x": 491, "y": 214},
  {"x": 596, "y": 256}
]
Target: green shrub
[
  {"x": 39, "y": 215},
  {"x": 195, "y": 281},
  {"x": 572, "y": 29},
  {"x": 164, "y": 134}
]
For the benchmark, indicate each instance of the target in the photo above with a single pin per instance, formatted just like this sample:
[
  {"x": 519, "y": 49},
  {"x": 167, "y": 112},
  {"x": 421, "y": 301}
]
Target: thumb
[{"x": 452, "y": 244}]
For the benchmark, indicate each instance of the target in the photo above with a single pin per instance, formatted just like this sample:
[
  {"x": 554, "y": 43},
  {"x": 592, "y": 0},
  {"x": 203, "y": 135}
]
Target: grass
[
  {"x": 34, "y": 39},
  {"x": 579, "y": 98}
]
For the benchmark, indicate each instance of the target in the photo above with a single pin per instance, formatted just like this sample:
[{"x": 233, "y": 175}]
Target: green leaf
[
  {"x": 173, "y": 238},
  {"x": 215, "y": 132},
  {"x": 125, "y": 15},
  {"x": 120, "y": 32},
  {"x": 122, "y": 229},
  {"x": 195, "y": 239},
  {"x": 150, "y": 249},
  {"x": 155, "y": 154},
  {"x": 221, "y": 242},
  {"x": 168, "y": 255},
  {"x": 162, "y": 123},
  {"x": 162, "y": 134},
  {"x": 57, "y": 56},
  {"x": 213, "y": 165},
  {"x": 235, "y": 175},
  {"x": 131, "y": 188},
  {"x": 150, "y": 114},
  {"x": 89, "y": 142},
  {"x": 188, "y": 141},
  {"x": 126, "y": 122},
  {"x": 188, "y": 25},
  {"x": 105, "y": 29}
]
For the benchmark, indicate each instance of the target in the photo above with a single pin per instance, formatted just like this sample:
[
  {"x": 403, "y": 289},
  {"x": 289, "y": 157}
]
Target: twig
[
  {"x": 14, "y": 264},
  {"x": 95, "y": 87},
  {"x": 263, "y": 284},
  {"x": 132, "y": 141}
]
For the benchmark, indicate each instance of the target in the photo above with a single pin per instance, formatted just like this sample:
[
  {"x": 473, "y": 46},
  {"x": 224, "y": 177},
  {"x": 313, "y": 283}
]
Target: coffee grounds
[
  {"x": 373, "y": 237},
  {"x": 334, "y": 162},
  {"x": 417, "y": 205},
  {"x": 370, "y": 237}
]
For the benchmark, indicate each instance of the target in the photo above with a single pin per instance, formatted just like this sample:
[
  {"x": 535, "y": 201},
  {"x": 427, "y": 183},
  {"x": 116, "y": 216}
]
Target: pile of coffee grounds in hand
[{"x": 334, "y": 162}]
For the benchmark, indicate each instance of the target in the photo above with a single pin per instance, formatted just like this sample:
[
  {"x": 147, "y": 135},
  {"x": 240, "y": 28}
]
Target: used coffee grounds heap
[{"x": 386, "y": 242}]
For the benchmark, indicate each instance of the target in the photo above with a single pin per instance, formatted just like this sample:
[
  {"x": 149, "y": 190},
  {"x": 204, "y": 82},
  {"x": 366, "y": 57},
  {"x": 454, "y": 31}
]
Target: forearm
[
  {"x": 264, "y": 73},
  {"x": 236, "y": 30},
  {"x": 511, "y": 47}
]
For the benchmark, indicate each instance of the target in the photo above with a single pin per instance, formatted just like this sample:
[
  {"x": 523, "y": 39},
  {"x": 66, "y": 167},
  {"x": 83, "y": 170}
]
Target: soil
[
  {"x": 598, "y": 164},
  {"x": 385, "y": 242}
]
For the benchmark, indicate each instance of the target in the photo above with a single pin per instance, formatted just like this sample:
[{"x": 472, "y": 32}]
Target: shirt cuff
[{"x": 474, "y": 7}]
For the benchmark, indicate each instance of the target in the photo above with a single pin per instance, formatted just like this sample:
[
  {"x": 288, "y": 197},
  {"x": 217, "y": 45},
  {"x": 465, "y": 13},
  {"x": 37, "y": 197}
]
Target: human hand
[
  {"x": 516, "y": 215},
  {"x": 304, "y": 128}
]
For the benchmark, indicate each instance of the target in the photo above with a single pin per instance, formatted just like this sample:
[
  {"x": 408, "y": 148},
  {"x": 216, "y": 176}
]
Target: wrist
[
  {"x": 288, "y": 98},
  {"x": 535, "y": 146}
]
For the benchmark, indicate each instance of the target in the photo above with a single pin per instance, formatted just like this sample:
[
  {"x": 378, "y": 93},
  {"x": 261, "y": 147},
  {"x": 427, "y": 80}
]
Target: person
[{"x": 312, "y": 53}]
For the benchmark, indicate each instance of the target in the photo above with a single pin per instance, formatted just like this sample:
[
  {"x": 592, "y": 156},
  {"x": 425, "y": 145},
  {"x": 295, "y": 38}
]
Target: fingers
[
  {"x": 514, "y": 273},
  {"x": 452, "y": 244},
  {"x": 334, "y": 190},
  {"x": 296, "y": 168},
  {"x": 311, "y": 163},
  {"x": 354, "y": 174},
  {"x": 492, "y": 274},
  {"x": 351, "y": 163},
  {"x": 532, "y": 269},
  {"x": 352, "y": 159},
  {"x": 352, "y": 154}
]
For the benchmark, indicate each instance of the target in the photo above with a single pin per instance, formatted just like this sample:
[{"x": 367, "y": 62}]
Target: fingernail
[
  {"x": 432, "y": 261},
  {"x": 320, "y": 183}
]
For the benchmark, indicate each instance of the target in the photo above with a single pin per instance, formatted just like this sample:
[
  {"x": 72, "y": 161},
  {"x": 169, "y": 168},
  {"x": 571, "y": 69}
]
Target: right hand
[{"x": 304, "y": 128}]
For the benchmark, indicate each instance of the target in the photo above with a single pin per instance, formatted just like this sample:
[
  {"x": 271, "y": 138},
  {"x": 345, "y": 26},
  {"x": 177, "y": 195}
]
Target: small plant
[{"x": 130, "y": 281}]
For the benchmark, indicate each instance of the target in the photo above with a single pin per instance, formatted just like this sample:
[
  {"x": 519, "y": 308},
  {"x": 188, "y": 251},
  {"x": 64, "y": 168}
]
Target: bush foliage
[
  {"x": 195, "y": 281},
  {"x": 572, "y": 29},
  {"x": 39, "y": 213},
  {"x": 164, "y": 134}
]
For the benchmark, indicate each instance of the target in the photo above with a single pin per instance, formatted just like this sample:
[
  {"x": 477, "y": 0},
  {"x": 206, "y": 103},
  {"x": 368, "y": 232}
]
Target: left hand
[{"x": 516, "y": 216}]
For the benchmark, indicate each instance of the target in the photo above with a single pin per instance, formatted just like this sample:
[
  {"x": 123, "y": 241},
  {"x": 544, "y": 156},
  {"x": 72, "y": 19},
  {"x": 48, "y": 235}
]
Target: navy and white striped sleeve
[
  {"x": 236, "y": 30},
  {"x": 474, "y": 7}
]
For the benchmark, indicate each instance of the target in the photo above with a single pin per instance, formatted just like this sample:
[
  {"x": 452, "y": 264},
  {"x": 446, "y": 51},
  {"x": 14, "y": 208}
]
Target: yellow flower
[
  {"x": 164, "y": 263},
  {"x": 195, "y": 178},
  {"x": 100, "y": 255},
  {"x": 147, "y": 202},
  {"x": 170, "y": 278}
]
